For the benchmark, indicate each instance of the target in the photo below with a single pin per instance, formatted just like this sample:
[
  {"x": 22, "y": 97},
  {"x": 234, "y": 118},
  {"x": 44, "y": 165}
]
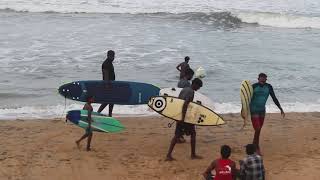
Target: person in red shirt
[{"x": 225, "y": 169}]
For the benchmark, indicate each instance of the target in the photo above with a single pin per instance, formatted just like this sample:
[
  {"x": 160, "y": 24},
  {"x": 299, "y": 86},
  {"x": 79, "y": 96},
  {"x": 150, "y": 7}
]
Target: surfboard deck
[
  {"x": 100, "y": 122},
  {"x": 171, "y": 107},
  {"x": 198, "y": 97},
  {"x": 114, "y": 92},
  {"x": 246, "y": 92}
]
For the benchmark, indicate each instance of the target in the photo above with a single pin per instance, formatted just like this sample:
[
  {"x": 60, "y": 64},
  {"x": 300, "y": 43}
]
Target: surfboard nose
[
  {"x": 150, "y": 102},
  {"x": 71, "y": 90}
]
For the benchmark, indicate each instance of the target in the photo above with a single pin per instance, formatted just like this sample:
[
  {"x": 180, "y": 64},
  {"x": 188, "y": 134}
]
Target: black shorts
[{"x": 183, "y": 128}]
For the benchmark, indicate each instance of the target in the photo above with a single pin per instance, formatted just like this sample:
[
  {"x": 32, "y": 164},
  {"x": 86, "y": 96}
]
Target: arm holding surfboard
[{"x": 185, "y": 107}]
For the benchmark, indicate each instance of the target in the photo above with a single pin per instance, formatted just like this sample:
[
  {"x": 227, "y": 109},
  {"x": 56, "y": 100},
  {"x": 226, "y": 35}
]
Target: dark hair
[
  {"x": 110, "y": 53},
  {"x": 262, "y": 75},
  {"x": 89, "y": 97},
  {"x": 189, "y": 71},
  {"x": 187, "y": 58},
  {"x": 251, "y": 149},
  {"x": 197, "y": 81},
  {"x": 225, "y": 151}
]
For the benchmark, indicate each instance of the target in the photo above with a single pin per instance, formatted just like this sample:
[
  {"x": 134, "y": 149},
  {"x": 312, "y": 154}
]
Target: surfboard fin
[{"x": 199, "y": 102}]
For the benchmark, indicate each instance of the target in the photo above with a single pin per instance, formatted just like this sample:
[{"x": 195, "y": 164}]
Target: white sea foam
[
  {"x": 279, "y": 20},
  {"x": 276, "y": 13}
]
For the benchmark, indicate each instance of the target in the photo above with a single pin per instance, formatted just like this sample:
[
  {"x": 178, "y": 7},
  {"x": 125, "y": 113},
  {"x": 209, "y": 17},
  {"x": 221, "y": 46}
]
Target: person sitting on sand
[
  {"x": 225, "y": 169},
  {"x": 182, "y": 67},
  {"x": 88, "y": 134},
  {"x": 182, "y": 128},
  {"x": 252, "y": 168},
  {"x": 184, "y": 82}
]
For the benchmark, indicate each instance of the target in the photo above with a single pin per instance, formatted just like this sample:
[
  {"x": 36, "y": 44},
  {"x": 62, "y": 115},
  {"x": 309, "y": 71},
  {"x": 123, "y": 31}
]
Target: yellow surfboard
[
  {"x": 197, "y": 114},
  {"x": 246, "y": 92}
]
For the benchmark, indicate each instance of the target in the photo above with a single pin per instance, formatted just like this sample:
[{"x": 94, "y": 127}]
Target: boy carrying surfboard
[
  {"x": 182, "y": 128},
  {"x": 88, "y": 134},
  {"x": 261, "y": 92}
]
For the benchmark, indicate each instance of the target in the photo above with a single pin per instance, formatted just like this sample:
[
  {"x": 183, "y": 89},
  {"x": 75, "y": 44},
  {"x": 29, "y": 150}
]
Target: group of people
[
  {"x": 251, "y": 168},
  {"x": 223, "y": 168}
]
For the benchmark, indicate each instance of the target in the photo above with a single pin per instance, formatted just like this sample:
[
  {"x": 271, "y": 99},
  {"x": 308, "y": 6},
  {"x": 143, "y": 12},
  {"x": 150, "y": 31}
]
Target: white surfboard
[
  {"x": 171, "y": 107},
  {"x": 198, "y": 97}
]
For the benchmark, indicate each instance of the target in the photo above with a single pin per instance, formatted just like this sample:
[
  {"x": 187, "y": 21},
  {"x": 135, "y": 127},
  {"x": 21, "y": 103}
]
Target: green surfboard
[{"x": 100, "y": 122}]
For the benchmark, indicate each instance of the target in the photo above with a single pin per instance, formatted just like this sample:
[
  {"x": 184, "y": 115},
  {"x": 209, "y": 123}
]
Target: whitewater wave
[
  {"x": 279, "y": 20},
  {"x": 59, "y": 111},
  {"x": 216, "y": 17}
]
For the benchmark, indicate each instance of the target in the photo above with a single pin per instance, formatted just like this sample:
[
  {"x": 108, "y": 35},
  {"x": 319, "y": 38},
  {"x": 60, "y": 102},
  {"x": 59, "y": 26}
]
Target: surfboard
[
  {"x": 114, "y": 92},
  {"x": 171, "y": 107},
  {"x": 200, "y": 73},
  {"x": 198, "y": 97},
  {"x": 100, "y": 122},
  {"x": 246, "y": 92}
]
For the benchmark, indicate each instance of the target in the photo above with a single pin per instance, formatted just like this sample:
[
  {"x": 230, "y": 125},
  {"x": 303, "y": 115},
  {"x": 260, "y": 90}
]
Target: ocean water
[{"x": 44, "y": 44}]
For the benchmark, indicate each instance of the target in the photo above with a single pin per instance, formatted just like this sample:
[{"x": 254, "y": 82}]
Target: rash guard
[{"x": 260, "y": 96}]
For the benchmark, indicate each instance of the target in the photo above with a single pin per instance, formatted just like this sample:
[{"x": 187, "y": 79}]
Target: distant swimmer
[
  {"x": 182, "y": 67},
  {"x": 88, "y": 134},
  {"x": 108, "y": 75},
  {"x": 261, "y": 92}
]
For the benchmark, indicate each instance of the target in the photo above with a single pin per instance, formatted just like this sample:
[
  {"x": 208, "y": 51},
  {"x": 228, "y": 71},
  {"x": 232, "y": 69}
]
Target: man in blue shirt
[{"x": 261, "y": 92}]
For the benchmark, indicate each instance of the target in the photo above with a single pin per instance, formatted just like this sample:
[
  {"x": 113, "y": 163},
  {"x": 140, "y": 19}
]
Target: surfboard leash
[{"x": 170, "y": 124}]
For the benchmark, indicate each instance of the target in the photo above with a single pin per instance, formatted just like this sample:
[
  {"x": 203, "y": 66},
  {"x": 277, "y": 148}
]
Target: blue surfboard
[{"x": 114, "y": 92}]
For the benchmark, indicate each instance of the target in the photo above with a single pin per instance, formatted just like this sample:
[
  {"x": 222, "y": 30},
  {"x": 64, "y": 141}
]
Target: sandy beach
[{"x": 45, "y": 149}]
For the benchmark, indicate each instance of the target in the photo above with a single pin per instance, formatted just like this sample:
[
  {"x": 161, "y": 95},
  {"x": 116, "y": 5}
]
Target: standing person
[
  {"x": 224, "y": 167},
  {"x": 183, "y": 83},
  {"x": 88, "y": 134},
  {"x": 261, "y": 92},
  {"x": 182, "y": 128},
  {"x": 252, "y": 168},
  {"x": 108, "y": 75},
  {"x": 182, "y": 67}
]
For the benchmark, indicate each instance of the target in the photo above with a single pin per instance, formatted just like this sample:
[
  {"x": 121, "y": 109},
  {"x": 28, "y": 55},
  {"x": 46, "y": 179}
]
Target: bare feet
[
  {"x": 196, "y": 157},
  {"x": 170, "y": 158},
  {"x": 88, "y": 149}
]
